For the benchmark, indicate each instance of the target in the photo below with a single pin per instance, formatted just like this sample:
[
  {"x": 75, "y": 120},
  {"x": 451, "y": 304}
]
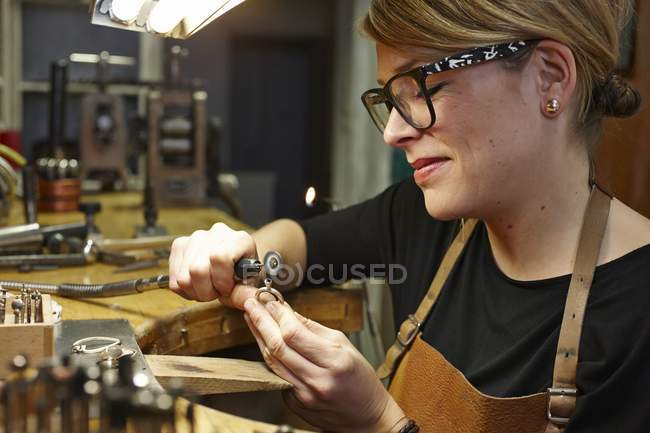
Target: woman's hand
[
  {"x": 335, "y": 388},
  {"x": 201, "y": 266}
]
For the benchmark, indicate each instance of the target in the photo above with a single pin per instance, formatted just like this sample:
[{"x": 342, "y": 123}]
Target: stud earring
[{"x": 552, "y": 106}]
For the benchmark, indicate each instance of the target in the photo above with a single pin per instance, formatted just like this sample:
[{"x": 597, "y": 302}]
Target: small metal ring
[
  {"x": 79, "y": 346},
  {"x": 271, "y": 291}
]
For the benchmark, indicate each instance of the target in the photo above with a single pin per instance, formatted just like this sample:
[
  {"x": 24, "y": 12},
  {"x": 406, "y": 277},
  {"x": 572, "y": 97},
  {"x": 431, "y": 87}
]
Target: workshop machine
[
  {"x": 103, "y": 141},
  {"x": 177, "y": 126}
]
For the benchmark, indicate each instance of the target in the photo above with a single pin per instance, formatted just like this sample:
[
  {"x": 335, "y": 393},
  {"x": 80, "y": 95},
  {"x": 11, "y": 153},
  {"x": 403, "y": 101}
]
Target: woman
[{"x": 497, "y": 105}]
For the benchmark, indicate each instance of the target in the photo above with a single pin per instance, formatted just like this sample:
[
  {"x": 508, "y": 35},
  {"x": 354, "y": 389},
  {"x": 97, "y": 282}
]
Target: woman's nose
[{"x": 398, "y": 132}]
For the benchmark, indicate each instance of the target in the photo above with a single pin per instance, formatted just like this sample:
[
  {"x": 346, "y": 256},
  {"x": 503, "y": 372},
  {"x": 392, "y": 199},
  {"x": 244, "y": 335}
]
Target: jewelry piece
[
  {"x": 553, "y": 106},
  {"x": 79, "y": 346},
  {"x": 110, "y": 357},
  {"x": 267, "y": 289}
]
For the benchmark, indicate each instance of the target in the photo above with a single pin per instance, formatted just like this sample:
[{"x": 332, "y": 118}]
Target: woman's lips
[{"x": 426, "y": 167}]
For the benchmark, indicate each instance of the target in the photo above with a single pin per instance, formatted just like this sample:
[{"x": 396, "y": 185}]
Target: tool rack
[{"x": 35, "y": 340}]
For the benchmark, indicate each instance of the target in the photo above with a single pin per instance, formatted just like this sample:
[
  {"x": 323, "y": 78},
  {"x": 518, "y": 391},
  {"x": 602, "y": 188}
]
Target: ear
[{"x": 555, "y": 75}]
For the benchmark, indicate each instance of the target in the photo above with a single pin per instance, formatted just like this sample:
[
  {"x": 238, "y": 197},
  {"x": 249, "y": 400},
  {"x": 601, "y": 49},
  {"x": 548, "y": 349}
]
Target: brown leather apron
[{"x": 437, "y": 395}]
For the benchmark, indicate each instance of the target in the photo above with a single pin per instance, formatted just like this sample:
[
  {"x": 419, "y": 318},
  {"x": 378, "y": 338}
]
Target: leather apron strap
[
  {"x": 409, "y": 329},
  {"x": 563, "y": 395}
]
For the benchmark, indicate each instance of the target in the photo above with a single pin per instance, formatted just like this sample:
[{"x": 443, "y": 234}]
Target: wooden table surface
[{"x": 121, "y": 212}]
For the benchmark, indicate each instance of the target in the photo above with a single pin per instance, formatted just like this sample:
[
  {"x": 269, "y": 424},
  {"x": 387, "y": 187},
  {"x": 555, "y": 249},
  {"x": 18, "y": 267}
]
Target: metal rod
[
  {"x": 120, "y": 288},
  {"x": 28, "y": 300},
  {"x": 43, "y": 260},
  {"x": 58, "y": 84}
]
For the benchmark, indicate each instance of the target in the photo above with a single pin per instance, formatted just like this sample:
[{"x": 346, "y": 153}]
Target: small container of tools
[{"x": 26, "y": 327}]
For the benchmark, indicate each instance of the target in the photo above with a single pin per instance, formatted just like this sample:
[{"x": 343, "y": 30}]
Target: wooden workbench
[
  {"x": 121, "y": 212},
  {"x": 168, "y": 324}
]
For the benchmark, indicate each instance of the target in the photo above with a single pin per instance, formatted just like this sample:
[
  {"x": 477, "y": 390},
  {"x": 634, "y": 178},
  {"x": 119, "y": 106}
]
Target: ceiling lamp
[{"x": 171, "y": 18}]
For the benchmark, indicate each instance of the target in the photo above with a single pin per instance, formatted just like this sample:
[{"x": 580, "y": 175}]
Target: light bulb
[
  {"x": 165, "y": 16},
  {"x": 125, "y": 11},
  {"x": 310, "y": 197}
]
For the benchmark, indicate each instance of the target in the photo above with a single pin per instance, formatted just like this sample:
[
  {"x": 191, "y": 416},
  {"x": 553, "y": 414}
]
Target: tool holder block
[{"x": 34, "y": 340}]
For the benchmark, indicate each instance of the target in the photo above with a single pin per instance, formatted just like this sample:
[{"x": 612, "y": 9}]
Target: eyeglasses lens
[
  {"x": 379, "y": 109},
  {"x": 410, "y": 101}
]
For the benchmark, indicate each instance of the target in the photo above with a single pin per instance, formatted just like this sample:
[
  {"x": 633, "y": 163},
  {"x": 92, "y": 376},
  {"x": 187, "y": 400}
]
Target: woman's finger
[
  {"x": 317, "y": 328},
  {"x": 200, "y": 274},
  {"x": 273, "y": 339},
  {"x": 175, "y": 260},
  {"x": 178, "y": 279},
  {"x": 296, "y": 335},
  {"x": 240, "y": 293},
  {"x": 272, "y": 362}
]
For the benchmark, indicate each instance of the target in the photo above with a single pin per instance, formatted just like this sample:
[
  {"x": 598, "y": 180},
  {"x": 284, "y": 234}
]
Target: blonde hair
[{"x": 590, "y": 28}]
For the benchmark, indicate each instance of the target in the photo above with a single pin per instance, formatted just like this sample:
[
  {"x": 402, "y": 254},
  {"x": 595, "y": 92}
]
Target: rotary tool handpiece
[{"x": 247, "y": 268}]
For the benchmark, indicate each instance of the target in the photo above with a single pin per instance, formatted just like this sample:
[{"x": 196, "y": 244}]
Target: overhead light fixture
[
  {"x": 125, "y": 11},
  {"x": 171, "y": 18}
]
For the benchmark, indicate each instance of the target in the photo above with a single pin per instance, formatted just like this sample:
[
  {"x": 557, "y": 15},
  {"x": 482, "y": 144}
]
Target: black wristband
[{"x": 410, "y": 427}]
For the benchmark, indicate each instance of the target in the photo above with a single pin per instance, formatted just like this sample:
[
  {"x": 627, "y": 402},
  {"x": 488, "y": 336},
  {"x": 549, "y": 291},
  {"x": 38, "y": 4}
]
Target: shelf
[{"x": 81, "y": 88}]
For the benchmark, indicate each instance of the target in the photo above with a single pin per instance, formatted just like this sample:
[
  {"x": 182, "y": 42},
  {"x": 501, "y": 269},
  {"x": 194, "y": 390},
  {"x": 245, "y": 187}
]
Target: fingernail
[{"x": 249, "y": 304}]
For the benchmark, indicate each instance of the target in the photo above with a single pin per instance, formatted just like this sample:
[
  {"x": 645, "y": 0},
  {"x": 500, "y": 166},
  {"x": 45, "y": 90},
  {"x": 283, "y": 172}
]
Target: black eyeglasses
[{"x": 410, "y": 92}]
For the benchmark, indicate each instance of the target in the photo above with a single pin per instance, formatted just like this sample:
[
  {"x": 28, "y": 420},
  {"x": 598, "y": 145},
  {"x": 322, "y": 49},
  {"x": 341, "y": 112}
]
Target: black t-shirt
[{"x": 501, "y": 333}]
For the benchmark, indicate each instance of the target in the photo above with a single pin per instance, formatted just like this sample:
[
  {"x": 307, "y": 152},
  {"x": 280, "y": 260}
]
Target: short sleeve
[{"x": 345, "y": 244}]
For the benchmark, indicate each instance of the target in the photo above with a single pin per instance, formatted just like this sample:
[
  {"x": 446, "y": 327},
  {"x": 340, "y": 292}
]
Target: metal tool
[
  {"x": 20, "y": 238},
  {"x": 29, "y": 261},
  {"x": 151, "y": 226},
  {"x": 94, "y": 250},
  {"x": 28, "y": 301},
  {"x": 248, "y": 268},
  {"x": 272, "y": 266},
  {"x": 38, "y": 310},
  {"x": 121, "y": 288},
  {"x": 3, "y": 305},
  {"x": 31, "y": 238},
  {"x": 24, "y": 309},
  {"x": 17, "y": 305},
  {"x": 29, "y": 193},
  {"x": 90, "y": 209}
]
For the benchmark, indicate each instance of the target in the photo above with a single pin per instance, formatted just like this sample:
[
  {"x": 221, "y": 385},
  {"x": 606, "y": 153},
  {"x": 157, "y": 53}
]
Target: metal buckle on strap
[
  {"x": 412, "y": 334},
  {"x": 559, "y": 392}
]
